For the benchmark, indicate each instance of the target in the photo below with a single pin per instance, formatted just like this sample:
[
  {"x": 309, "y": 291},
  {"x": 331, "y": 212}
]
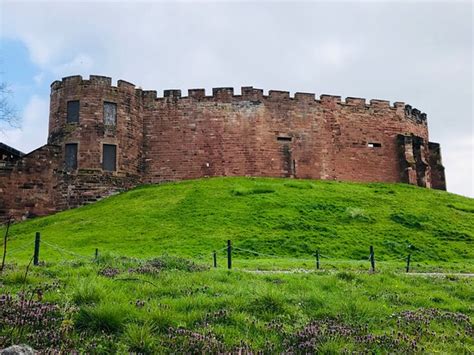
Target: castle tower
[{"x": 97, "y": 125}]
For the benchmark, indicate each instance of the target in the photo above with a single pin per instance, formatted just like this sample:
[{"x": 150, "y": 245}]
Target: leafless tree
[{"x": 8, "y": 113}]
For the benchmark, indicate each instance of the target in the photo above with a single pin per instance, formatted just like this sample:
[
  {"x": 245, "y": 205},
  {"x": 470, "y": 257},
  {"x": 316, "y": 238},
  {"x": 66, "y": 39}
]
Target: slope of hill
[{"x": 284, "y": 217}]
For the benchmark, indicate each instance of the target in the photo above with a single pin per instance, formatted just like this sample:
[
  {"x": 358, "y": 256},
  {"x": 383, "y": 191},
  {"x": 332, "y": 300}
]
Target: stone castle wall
[{"x": 174, "y": 137}]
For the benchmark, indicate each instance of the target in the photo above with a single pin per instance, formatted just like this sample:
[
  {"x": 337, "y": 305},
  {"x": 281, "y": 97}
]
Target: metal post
[
  {"x": 408, "y": 262},
  {"x": 37, "y": 249},
  {"x": 96, "y": 254},
  {"x": 317, "y": 259},
  {"x": 229, "y": 255},
  {"x": 215, "y": 258}
]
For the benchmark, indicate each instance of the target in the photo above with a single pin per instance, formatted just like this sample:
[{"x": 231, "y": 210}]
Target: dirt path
[{"x": 307, "y": 271}]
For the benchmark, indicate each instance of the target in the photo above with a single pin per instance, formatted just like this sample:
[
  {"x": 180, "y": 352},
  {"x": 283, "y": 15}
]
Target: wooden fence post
[
  {"x": 5, "y": 243},
  {"x": 408, "y": 262},
  {"x": 215, "y": 258},
  {"x": 96, "y": 254},
  {"x": 37, "y": 249},
  {"x": 229, "y": 255},
  {"x": 317, "y": 259},
  {"x": 372, "y": 259}
]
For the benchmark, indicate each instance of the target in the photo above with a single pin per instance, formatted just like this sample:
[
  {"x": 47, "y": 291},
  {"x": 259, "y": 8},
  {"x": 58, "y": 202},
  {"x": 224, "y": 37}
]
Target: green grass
[
  {"x": 142, "y": 312},
  {"x": 282, "y": 217},
  {"x": 152, "y": 291}
]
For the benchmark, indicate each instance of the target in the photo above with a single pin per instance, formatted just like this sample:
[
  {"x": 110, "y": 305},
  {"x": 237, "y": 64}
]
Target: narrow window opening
[
  {"x": 109, "y": 157},
  {"x": 284, "y": 139},
  {"x": 71, "y": 156},
  {"x": 72, "y": 112},
  {"x": 374, "y": 145},
  {"x": 110, "y": 114}
]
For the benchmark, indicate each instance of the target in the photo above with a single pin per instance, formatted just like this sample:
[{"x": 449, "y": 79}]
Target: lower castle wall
[
  {"x": 37, "y": 185},
  {"x": 188, "y": 138},
  {"x": 28, "y": 188}
]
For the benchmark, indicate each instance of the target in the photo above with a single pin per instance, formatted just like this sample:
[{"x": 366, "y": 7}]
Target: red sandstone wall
[
  {"x": 224, "y": 135},
  {"x": 30, "y": 187}
]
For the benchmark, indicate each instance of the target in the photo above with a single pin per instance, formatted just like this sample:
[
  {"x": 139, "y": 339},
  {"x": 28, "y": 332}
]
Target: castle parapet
[
  {"x": 227, "y": 95},
  {"x": 355, "y": 101},
  {"x": 276, "y": 95},
  {"x": 122, "y": 84},
  {"x": 196, "y": 93},
  {"x": 223, "y": 93},
  {"x": 100, "y": 80},
  {"x": 305, "y": 97},
  {"x": 250, "y": 93},
  {"x": 172, "y": 93},
  {"x": 377, "y": 103}
]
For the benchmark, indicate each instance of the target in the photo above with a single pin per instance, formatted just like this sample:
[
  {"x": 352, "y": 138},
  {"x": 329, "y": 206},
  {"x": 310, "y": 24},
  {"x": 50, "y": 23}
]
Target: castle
[{"x": 104, "y": 139}]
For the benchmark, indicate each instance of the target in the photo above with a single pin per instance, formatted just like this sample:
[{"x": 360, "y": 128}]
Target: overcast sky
[{"x": 417, "y": 52}]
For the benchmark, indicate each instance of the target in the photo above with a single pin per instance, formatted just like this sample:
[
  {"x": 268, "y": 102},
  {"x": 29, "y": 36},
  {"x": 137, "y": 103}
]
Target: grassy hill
[
  {"x": 283, "y": 217},
  {"x": 152, "y": 303}
]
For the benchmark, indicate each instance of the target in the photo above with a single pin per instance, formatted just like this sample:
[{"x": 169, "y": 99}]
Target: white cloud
[
  {"x": 34, "y": 131},
  {"x": 336, "y": 53},
  {"x": 365, "y": 49},
  {"x": 458, "y": 159},
  {"x": 81, "y": 63},
  {"x": 38, "y": 78}
]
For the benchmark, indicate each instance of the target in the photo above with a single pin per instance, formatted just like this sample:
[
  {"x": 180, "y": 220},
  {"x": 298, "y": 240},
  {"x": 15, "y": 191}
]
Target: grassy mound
[
  {"x": 283, "y": 217},
  {"x": 151, "y": 289}
]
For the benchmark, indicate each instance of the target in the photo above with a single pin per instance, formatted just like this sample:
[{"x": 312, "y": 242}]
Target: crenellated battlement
[{"x": 228, "y": 95}]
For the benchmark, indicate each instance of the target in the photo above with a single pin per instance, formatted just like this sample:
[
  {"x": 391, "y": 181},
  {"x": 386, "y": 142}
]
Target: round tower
[{"x": 98, "y": 126}]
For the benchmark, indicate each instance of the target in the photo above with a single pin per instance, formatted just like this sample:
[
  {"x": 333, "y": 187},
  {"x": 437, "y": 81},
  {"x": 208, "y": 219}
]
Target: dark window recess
[
  {"x": 109, "y": 157},
  {"x": 374, "y": 145},
  {"x": 71, "y": 157},
  {"x": 283, "y": 139},
  {"x": 110, "y": 114},
  {"x": 72, "y": 112}
]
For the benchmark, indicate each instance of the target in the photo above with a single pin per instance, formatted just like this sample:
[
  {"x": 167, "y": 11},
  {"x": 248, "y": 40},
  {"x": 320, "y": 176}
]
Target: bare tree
[{"x": 8, "y": 113}]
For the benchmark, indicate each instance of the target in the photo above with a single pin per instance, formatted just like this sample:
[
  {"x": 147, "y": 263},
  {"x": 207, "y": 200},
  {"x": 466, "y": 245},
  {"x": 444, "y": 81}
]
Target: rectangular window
[
  {"x": 109, "y": 157},
  {"x": 284, "y": 139},
  {"x": 71, "y": 156},
  {"x": 110, "y": 114},
  {"x": 72, "y": 112},
  {"x": 374, "y": 145}
]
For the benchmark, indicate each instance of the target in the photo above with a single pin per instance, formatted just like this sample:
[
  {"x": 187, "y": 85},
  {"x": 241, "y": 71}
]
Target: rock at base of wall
[{"x": 18, "y": 350}]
